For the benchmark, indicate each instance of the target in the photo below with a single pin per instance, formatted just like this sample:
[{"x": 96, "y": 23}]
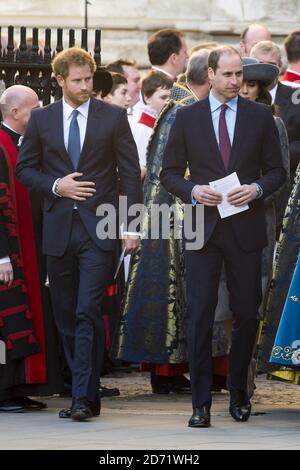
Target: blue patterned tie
[{"x": 74, "y": 140}]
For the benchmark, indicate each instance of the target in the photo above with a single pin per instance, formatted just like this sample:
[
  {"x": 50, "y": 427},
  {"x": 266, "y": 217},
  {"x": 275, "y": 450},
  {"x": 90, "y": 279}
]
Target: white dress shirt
[{"x": 82, "y": 117}]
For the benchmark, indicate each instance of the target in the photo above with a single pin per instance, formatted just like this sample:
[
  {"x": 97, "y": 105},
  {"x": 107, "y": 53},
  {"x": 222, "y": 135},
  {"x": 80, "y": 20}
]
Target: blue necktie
[{"x": 74, "y": 140}]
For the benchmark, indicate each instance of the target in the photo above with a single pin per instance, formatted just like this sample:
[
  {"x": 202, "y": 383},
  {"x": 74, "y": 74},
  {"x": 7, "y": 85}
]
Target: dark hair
[
  {"x": 117, "y": 65},
  {"x": 118, "y": 79},
  {"x": 292, "y": 46},
  {"x": 72, "y": 56},
  {"x": 215, "y": 55},
  {"x": 153, "y": 81},
  {"x": 162, "y": 44},
  {"x": 264, "y": 95}
]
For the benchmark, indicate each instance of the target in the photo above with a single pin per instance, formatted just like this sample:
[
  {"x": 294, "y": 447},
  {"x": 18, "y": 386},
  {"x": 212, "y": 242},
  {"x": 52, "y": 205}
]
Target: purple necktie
[{"x": 224, "y": 141}]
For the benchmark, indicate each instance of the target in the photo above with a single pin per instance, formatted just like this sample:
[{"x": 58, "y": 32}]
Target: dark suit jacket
[
  {"x": 255, "y": 156},
  {"x": 108, "y": 151},
  {"x": 290, "y": 114}
]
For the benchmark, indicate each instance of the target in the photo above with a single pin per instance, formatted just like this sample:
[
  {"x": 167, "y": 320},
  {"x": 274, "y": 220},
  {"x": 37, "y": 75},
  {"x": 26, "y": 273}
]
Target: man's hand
[
  {"x": 242, "y": 195},
  {"x": 77, "y": 190},
  {"x": 207, "y": 196},
  {"x": 6, "y": 273},
  {"x": 131, "y": 243}
]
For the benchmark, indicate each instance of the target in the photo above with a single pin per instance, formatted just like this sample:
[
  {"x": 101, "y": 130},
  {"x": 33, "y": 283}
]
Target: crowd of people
[{"x": 197, "y": 319}]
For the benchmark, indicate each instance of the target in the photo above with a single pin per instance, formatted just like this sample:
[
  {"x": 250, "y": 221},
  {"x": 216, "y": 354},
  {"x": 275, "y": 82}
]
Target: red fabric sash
[
  {"x": 291, "y": 77},
  {"x": 147, "y": 120},
  {"x": 35, "y": 365}
]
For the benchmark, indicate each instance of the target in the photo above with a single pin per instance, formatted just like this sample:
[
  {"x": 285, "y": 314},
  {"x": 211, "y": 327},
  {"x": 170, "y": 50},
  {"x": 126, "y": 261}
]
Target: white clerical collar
[{"x": 10, "y": 128}]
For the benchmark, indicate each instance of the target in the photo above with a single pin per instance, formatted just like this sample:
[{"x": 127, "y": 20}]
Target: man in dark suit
[
  {"x": 79, "y": 152},
  {"x": 214, "y": 138},
  {"x": 282, "y": 95}
]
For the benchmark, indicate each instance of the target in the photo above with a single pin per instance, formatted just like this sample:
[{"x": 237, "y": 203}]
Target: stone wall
[{"x": 126, "y": 24}]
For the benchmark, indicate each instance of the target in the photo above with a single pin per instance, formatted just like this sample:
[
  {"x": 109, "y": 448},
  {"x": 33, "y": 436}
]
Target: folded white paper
[{"x": 224, "y": 186}]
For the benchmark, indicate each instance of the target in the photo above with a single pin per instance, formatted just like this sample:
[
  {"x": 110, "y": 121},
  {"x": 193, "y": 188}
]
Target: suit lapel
[{"x": 92, "y": 127}]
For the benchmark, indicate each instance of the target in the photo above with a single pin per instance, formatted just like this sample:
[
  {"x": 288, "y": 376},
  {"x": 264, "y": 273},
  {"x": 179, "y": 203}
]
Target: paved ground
[{"x": 139, "y": 420}]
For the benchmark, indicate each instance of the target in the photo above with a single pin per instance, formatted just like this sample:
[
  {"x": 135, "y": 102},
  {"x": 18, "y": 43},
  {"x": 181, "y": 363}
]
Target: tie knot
[
  {"x": 224, "y": 108},
  {"x": 75, "y": 113}
]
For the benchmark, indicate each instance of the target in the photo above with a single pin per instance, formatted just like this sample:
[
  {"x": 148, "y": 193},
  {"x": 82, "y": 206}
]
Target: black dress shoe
[
  {"x": 80, "y": 410},
  {"x": 9, "y": 406},
  {"x": 200, "y": 417},
  {"x": 108, "y": 392},
  {"x": 30, "y": 404},
  {"x": 65, "y": 413},
  {"x": 94, "y": 407},
  {"x": 240, "y": 406}
]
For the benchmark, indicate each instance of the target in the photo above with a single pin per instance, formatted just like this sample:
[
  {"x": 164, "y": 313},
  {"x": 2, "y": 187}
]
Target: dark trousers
[
  {"x": 243, "y": 272},
  {"x": 77, "y": 281}
]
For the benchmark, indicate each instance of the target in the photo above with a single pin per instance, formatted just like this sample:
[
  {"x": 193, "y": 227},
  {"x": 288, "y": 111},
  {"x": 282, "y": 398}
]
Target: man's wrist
[
  {"x": 259, "y": 190},
  {"x": 193, "y": 199},
  {"x": 55, "y": 187}
]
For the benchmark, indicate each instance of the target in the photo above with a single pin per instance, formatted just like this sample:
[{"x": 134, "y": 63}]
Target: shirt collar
[
  {"x": 215, "y": 103},
  {"x": 273, "y": 92},
  {"x": 82, "y": 109},
  {"x": 150, "y": 111}
]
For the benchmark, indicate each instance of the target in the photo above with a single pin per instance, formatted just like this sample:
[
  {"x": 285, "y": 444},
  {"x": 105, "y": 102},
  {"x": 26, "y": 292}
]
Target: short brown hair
[
  {"x": 153, "y": 81},
  {"x": 72, "y": 56},
  {"x": 216, "y": 54},
  {"x": 292, "y": 46},
  {"x": 164, "y": 43}
]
